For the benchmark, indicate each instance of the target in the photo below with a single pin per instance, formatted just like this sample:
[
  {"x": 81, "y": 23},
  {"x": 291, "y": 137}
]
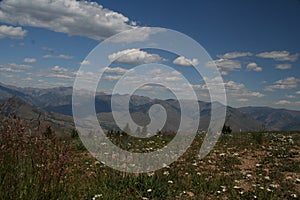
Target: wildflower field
[{"x": 262, "y": 165}]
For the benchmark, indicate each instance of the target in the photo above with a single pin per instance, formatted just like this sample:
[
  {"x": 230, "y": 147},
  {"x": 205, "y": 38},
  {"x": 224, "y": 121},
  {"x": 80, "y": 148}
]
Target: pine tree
[
  {"x": 74, "y": 133},
  {"x": 226, "y": 129},
  {"x": 48, "y": 133}
]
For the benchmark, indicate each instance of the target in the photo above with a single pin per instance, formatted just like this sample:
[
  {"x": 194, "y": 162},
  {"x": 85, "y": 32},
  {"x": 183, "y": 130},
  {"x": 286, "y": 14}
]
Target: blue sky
[{"x": 255, "y": 44}]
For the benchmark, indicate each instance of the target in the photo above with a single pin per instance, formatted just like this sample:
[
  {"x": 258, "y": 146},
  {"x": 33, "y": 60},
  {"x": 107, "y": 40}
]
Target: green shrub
[{"x": 258, "y": 137}]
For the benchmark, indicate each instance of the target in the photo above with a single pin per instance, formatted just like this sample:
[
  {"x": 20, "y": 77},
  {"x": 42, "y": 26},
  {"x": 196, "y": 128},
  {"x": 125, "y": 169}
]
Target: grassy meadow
[{"x": 35, "y": 164}]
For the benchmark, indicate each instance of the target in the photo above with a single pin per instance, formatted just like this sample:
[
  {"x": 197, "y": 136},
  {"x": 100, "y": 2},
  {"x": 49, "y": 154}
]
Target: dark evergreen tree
[
  {"x": 226, "y": 129},
  {"x": 74, "y": 133},
  {"x": 49, "y": 132}
]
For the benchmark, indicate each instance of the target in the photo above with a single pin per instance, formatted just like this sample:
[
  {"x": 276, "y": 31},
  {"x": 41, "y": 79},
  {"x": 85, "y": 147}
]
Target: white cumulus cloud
[
  {"x": 290, "y": 96},
  {"x": 283, "y": 102},
  {"x": 59, "y": 69},
  {"x": 183, "y": 61},
  {"x": 117, "y": 70},
  {"x": 134, "y": 57},
  {"x": 279, "y": 55},
  {"x": 253, "y": 67},
  {"x": 13, "y": 67},
  {"x": 29, "y": 60},
  {"x": 61, "y": 56},
  {"x": 232, "y": 55},
  {"x": 287, "y": 83},
  {"x": 225, "y": 65},
  {"x": 61, "y": 76},
  {"x": 112, "y": 78},
  {"x": 83, "y": 18},
  {"x": 283, "y": 66},
  {"x": 11, "y": 32},
  {"x": 235, "y": 90},
  {"x": 85, "y": 62},
  {"x": 141, "y": 34}
]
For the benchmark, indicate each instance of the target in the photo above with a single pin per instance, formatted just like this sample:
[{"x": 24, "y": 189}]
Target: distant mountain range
[
  {"x": 55, "y": 105},
  {"x": 274, "y": 119}
]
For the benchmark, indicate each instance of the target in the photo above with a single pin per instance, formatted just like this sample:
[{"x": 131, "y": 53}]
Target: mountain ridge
[{"x": 59, "y": 100}]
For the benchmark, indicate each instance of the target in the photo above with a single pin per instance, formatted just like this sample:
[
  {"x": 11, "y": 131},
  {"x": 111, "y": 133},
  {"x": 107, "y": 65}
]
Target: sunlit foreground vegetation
[{"x": 35, "y": 164}]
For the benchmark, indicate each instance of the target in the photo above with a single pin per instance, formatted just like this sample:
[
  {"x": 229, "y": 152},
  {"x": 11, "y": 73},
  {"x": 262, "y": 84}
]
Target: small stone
[
  {"x": 191, "y": 194},
  {"x": 274, "y": 185},
  {"x": 294, "y": 195},
  {"x": 97, "y": 163},
  {"x": 288, "y": 178}
]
